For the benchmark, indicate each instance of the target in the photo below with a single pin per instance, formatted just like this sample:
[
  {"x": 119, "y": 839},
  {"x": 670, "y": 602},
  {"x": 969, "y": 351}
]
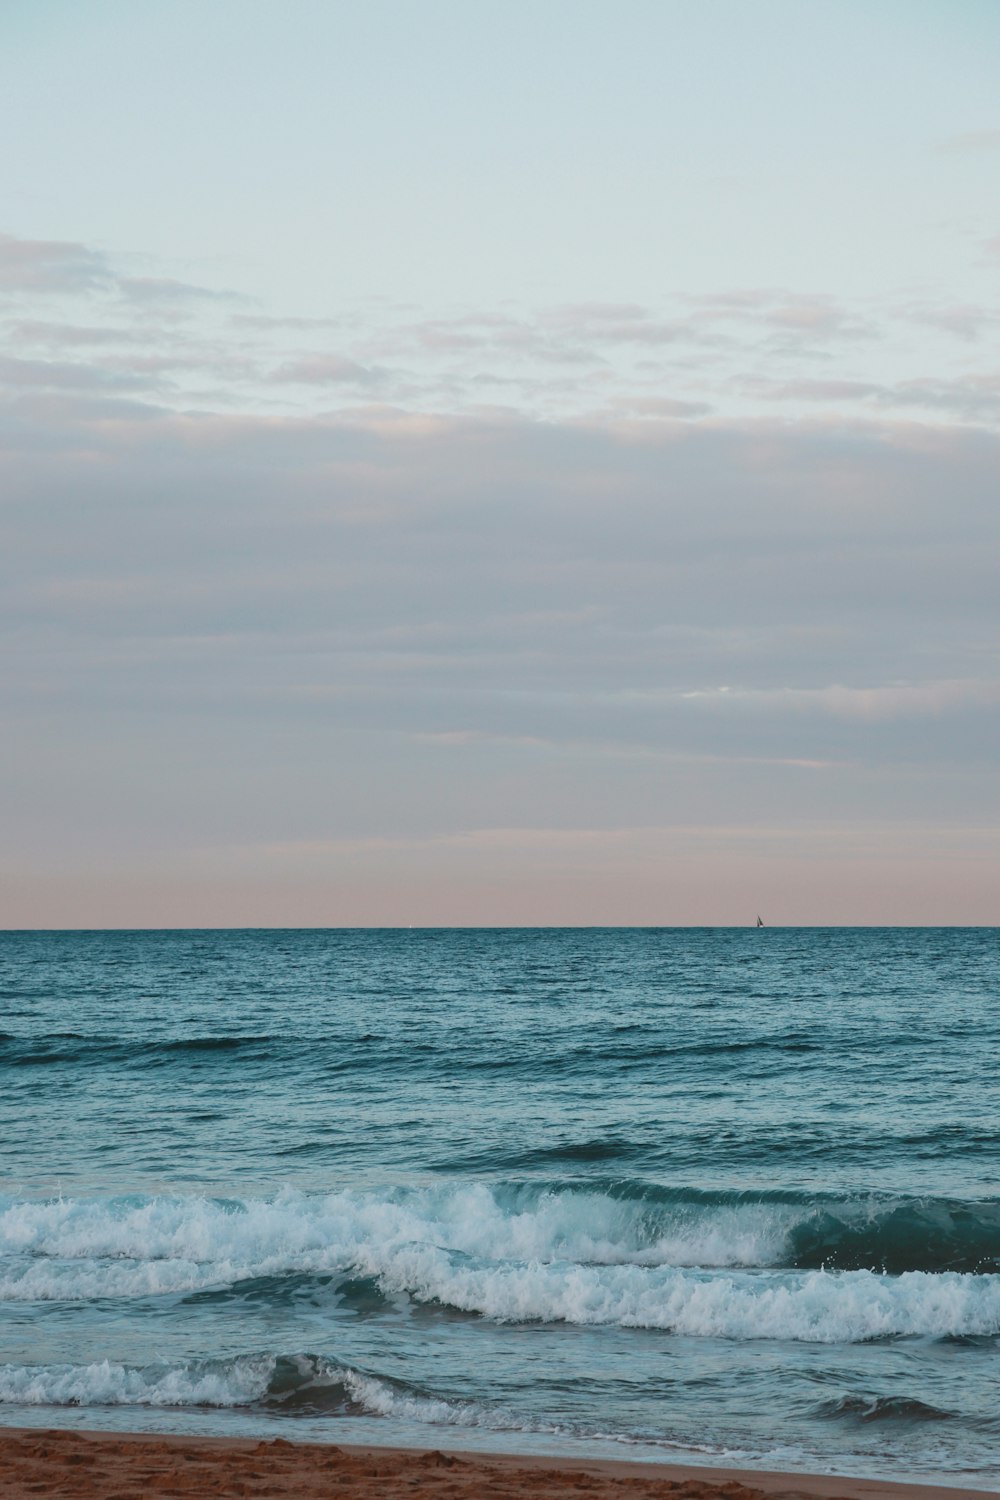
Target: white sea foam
[
  {"x": 384, "y": 1400},
  {"x": 247, "y": 1381},
  {"x": 814, "y": 1306},
  {"x": 585, "y": 1258},
  {"x": 321, "y": 1232},
  {"x": 236, "y": 1382}
]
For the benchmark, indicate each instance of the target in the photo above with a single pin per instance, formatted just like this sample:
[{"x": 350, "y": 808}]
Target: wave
[
  {"x": 309, "y": 1386},
  {"x": 292, "y": 1385},
  {"x": 693, "y": 1149},
  {"x": 62, "y": 1047},
  {"x": 623, "y": 1050},
  {"x": 818, "y": 1307},
  {"x": 297, "y": 1385},
  {"x": 866, "y": 1409},
  {"x": 916, "y": 1234},
  {"x": 722, "y": 1265},
  {"x": 611, "y": 1221},
  {"x": 239, "y": 1382},
  {"x": 620, "y": 1223}
]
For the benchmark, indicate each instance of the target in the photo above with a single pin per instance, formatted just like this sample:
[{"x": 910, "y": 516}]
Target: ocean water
[{"x": 713, "y": 1195}]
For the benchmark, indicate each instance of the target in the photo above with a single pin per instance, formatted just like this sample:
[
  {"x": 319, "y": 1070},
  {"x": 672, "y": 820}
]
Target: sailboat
[{"x": 759, "y": 922}]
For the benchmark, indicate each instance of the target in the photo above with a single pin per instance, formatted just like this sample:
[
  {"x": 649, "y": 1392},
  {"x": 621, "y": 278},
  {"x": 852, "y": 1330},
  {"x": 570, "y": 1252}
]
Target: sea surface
[{"x": 730, "y": 1196}]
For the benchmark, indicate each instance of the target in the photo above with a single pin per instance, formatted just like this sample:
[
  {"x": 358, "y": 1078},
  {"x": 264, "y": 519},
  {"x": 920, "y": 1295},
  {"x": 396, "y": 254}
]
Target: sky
[{"x": 482, "y": 463}]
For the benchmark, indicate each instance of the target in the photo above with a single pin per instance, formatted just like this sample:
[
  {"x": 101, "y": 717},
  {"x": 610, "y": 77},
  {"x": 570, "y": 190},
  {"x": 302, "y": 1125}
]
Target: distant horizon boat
[{"x": 759, "y": 922}]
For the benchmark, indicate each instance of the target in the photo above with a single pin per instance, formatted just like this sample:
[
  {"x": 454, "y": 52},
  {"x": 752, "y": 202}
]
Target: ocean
[{"x": 723, "y": 1196}]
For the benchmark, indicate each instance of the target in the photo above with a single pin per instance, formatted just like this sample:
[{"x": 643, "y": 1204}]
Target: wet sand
[{"x": 129, "y": 1466}]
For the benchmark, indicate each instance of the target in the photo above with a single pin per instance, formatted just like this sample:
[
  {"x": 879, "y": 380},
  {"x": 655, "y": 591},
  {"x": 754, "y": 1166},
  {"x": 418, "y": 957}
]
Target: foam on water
[
  {"x": 236, "y": 1382},
  {"x": 627, "y": 1223},
  {"x": 296, "y": 1383},
  {"x": 520, "y": 1223},
  {"x": 814, "y": 1306},
  {"x": 513, "y": 1256}
]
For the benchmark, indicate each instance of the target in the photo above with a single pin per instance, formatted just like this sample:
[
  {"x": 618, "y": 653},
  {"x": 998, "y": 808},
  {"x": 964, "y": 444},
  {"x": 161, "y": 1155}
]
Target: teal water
[{"x": 720, "y": 1195}]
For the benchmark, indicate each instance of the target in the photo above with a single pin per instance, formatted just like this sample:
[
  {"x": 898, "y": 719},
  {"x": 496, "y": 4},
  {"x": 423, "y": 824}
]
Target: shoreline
[{"x": 101, "y": 1465}]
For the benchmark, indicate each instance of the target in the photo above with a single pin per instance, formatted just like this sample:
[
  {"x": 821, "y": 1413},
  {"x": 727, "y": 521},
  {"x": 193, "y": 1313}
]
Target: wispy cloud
[
  {"x": 40, "y": 333},
  {"x": 327, "y": 369},
  {"x": 51, "y": 266},
  {"x": 721, "y": 354},
  {"x": 161, "y": 291},
  {"x": 971, "y": 397},
  {"x": 813, "y": 390},
  {"x": 63, "y": 375},
  {"x": 965, "y": 321},
  {"x": 887, "y": 703},
  {"x": 806, "y": 314}
]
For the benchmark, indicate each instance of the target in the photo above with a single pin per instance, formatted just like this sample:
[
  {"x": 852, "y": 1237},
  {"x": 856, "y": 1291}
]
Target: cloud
[
  {"x": 472, "y": 524},
  {"x": 290, "y": 584},
  {"x": 326, "y": 369},
  {"x": 963, "y": 321},
  {"x": 70, "y": 335},
  {"x": 660, "y": 406},
  {"x": 724, "y": 352},
  {"x": 163, "y": 291},
  {"x": 807, "y": 315},
  {"x": 62, "y": 375},
  {"x": 393, "y": 631},
  {"x": 610, "y": 323},
  {"x": 65, "y": 267},
  {"x": 63, "y": 421},
  {"x": 51, "y": 266},
  {"x": 580, "y": 334},
  {"x": 971, "y": 397},
  {"x": 813, "y": 390},
  {"x": 894, "y": 701}
]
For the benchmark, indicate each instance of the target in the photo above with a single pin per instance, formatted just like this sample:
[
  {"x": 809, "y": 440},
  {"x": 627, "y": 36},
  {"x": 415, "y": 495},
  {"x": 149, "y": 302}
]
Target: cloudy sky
[{"x": 478, "y": 462}]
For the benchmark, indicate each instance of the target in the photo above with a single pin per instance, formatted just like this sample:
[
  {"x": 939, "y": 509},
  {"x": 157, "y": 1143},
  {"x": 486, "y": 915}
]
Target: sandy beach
[{"x": 126, "y": 1466}]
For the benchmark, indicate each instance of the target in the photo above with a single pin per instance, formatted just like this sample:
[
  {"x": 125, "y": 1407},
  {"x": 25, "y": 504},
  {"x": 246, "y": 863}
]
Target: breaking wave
[
  {"x": 292, "y": 1385},
  {"x": 616, "y": 1222},
  {"x": 725, "y": 1266}
]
